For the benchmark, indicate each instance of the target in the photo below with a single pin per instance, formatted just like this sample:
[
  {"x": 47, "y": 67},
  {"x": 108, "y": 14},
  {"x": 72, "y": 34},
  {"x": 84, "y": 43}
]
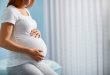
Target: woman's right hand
[
  {"x": 36, "y": 33},
  {"x": 36, "y": 54}
]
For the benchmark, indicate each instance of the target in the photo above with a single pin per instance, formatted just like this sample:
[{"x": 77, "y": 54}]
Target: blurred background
[{"x": 77, "y": 34}]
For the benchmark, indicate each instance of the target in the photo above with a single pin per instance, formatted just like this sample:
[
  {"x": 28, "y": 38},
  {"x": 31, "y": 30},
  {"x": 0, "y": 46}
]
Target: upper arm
[
  {"x": 6, "y": 31},
  {"x": 8, "y": 20}
]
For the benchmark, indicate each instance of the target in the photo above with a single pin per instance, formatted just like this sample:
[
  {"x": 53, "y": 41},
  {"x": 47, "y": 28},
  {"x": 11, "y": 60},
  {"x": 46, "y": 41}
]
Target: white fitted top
[{"x": 21, "y": 35}]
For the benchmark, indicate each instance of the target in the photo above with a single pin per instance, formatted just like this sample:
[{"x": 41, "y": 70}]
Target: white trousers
[{"x": 30, "y": 68}]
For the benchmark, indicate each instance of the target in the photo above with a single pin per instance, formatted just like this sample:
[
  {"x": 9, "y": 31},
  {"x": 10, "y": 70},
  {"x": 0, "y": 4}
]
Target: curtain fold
[{"x": 77, "y": 35}]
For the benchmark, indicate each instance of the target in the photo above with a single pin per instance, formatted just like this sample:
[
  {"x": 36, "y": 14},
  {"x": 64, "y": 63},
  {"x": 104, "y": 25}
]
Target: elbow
[{"x": 3, "y": 42}]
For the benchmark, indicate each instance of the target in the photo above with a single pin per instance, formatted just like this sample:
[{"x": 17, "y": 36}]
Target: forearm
[
  {"x": 7, "y": 43},
  {"x": 12, "y": 46}
]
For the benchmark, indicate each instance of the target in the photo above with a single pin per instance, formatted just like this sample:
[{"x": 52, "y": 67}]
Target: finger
[
  {"x": 31, "y": 34},
  {"x": 40, "y": 50},
  {"x": 39, "y": 54},
  {"x": 34, "y": 30},
  {"x": 39, "y": 36},
  {"x": 37, "y": 33},
  {"x": 39, "y": 58}
]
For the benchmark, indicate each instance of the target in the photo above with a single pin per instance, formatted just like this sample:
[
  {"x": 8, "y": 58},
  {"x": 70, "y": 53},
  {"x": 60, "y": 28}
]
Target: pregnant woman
[{"x": 20, "y": 36}]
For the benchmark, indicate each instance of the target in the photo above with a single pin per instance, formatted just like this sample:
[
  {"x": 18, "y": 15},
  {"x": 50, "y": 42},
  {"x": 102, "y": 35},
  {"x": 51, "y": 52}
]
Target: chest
[{"x": 26, "y": 23}]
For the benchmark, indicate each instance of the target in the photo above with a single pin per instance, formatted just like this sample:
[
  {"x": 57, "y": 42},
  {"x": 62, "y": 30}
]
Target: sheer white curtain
[{"x": 76, "y": 33}]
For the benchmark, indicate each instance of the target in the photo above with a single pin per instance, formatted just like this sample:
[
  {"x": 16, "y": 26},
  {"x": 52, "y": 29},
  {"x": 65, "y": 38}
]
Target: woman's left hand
[{"x": 35, "y": 33}]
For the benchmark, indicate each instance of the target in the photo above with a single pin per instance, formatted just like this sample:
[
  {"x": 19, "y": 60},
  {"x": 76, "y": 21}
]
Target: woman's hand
[
  {"x": 36, "y": 54},
  {"x": 35, "y": 33}
]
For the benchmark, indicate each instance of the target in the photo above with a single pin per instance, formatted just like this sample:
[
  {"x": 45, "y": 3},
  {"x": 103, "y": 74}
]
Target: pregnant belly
[{"x": 32, "y": 42}]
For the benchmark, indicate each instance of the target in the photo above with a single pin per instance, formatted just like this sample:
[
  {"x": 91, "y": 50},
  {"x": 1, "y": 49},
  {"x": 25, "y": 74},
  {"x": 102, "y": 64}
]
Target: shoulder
[
  {"x": 9, "y": 15},
  {"x": 9, "y": 10}
]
